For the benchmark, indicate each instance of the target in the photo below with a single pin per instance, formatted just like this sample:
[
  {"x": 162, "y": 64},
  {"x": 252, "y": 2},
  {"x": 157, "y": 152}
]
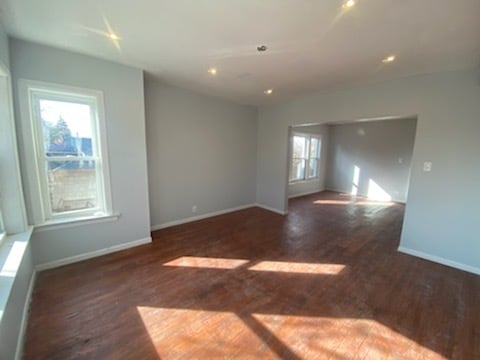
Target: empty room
[{"x": 275, "y": 179}]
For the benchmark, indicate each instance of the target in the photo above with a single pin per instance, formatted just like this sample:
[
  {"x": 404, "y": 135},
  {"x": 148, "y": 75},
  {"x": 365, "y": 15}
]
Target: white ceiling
[{"x": 313, "y": 45}]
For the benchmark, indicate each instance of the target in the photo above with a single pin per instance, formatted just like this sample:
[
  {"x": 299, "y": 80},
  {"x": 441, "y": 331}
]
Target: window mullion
[
  {"x": 70, "y": 158},
  {"x": 307, "y": 159}
]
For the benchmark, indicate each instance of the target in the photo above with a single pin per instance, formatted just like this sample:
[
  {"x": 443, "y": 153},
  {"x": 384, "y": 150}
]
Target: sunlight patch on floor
[
  {"x": 342, "y": 338},
  {"x": 299, "y": 268},
  {"x": 178, "y": 333},
  {"x": 207, "y": 262}
]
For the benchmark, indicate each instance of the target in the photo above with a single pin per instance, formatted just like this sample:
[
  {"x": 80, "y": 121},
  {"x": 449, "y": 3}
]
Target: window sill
[
  {"x": 11, "y": 255},
  {"x": 70, "y": 222},
  {"x": 303, "y": 181}
]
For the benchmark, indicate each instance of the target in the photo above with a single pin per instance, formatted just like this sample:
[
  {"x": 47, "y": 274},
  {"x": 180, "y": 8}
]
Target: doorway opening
[{"x": 369, "y": 159}]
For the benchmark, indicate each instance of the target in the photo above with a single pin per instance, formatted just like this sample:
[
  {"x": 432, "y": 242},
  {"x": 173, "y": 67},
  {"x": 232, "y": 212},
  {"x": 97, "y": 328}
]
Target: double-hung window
[
  {"x": 69, "y": 150},
  {"x": 305, "y": 157}
]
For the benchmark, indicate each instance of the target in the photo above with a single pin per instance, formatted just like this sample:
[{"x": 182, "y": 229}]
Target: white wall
[
  {"x": 11, "y": 319},
  {"x": 442, "y": 216},
  {"x": 125, "y": 122},
  {"x": 201, "y": 151},
  {"x": 11, "y": 199},
  {"x": 300, "y": 188},
  {"x": 381, "y": 150}
]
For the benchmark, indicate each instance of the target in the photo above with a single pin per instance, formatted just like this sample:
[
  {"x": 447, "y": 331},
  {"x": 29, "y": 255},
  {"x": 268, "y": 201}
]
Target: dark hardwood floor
[{"x": 323, "y": 282}]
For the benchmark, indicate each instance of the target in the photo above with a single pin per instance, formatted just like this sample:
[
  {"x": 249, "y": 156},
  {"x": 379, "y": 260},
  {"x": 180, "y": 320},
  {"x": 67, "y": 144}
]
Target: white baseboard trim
[
  {"x": 281, "y": 212},
  {"x": 305, "y": 193},
  {"x": 199, "y": 217},
  {"x": 24, "y": 320},
  {"x": 439, "y": 260},
  {"x": 93, "y": 254},
  {"x": 336, "y": 190}
]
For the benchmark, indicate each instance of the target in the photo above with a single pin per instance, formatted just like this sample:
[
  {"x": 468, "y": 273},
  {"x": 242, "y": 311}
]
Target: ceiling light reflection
[
  {"x": 348, "y": 4},
  {"x": 388, "y": 59},
  {"x": 111, "y": 34}
]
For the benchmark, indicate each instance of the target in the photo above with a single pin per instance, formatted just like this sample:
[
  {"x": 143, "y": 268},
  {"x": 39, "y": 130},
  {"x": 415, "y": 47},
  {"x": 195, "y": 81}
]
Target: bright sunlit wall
[{"x": 371, "y": 159}]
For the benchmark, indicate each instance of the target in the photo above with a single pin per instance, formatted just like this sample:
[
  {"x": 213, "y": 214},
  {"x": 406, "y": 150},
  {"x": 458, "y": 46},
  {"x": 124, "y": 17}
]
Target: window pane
[
  {"x": 297, "y": 169},
  {"x": 72, "y": 185},
  {"x": 66, "y": 128},
  {"x": 314, "y": 147},
  {"x": 299, "y": 147},
  {"x": 313, "y": 168}
]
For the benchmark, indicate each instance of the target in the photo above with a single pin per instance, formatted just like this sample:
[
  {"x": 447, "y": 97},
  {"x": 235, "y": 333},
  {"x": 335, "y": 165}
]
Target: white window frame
[
  {"x": 13, "y": 218},
  {"x": 30, "y": 93},
  {"x": 308, "y": 139},
  {"x": 3, "y": 231}
]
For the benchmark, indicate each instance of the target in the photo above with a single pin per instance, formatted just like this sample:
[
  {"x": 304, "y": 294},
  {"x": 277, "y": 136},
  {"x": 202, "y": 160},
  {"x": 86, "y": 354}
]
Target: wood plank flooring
[{"x": 324, "y": 282}]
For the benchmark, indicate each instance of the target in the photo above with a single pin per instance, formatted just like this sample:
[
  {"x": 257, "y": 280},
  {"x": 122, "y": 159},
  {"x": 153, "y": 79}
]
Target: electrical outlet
[
  {"x": 194, "y": 208},
  {"x": 427, "y": 166}
]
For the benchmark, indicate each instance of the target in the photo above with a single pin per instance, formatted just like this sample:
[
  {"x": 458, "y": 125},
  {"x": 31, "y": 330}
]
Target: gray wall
[
  {"x": 13, "y": 312},
  {"x": 122, "y": 87},
  {"x": 4, "y": 51},
  {"x": 201, "y": 151},
  {"x": 441, "y": 218},
  {"x": 300, "y": 188},
  {"x": 382, "y": 150}
]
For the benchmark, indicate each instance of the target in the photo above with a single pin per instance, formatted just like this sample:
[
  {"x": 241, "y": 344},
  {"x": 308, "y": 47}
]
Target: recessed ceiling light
[
  {"x": 388, "y": 59},
  {"x": 212, "y": 71},
  {"x": 268, "y": 91},
  {"x": 113, "y": 36},
  {"x": 348, "y": 4}
]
